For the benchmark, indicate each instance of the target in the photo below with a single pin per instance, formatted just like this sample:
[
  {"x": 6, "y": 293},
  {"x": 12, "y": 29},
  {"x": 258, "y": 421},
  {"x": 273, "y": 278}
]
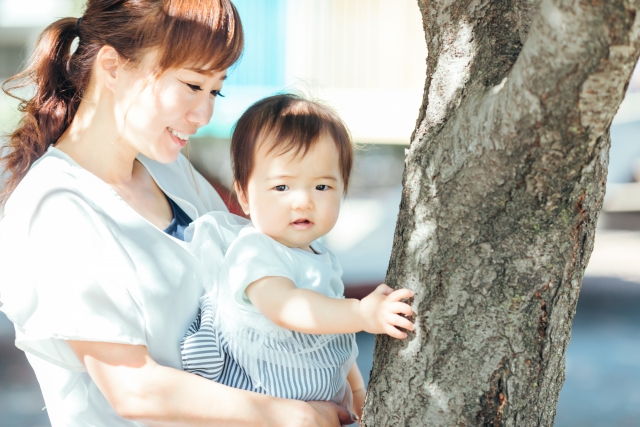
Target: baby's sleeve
[
  {"x": 251, "y": 257},
  {"x": 67, "y": 277}
]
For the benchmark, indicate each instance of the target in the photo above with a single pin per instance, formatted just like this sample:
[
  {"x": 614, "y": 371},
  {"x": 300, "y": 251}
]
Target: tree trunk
[{"x": 504, "y": 180}]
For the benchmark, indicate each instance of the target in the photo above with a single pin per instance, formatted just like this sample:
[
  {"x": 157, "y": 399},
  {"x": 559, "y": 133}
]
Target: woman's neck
[{"x": 93, "y": 142}]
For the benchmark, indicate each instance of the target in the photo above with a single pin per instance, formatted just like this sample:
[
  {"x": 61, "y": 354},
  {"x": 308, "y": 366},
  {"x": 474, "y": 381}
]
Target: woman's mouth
[
  {"x": 302, "y": 224},
  {"x": 178, "y": 137}
]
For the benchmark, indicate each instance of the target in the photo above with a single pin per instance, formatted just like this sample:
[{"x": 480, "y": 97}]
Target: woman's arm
[
  {"x": 140, "y": 389},
  {"x": 310, "y": 312}
]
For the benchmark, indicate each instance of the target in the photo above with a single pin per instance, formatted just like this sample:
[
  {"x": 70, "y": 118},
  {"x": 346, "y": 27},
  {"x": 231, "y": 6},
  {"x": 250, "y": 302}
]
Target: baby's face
[{"x": 295, "y": 199}]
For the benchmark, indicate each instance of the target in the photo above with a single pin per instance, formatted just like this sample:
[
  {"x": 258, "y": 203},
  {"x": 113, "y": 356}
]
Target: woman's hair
[
  {"x": 289, "y": 123},
  {"x": 201, "y": 34}
]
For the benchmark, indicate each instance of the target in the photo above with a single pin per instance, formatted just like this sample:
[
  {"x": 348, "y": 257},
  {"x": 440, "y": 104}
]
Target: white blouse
[{"x": 78, "y": 263}]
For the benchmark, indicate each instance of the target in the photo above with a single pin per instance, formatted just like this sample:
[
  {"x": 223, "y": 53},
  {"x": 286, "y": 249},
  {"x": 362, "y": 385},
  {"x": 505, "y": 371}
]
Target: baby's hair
[{"x": 290, "y": 123}]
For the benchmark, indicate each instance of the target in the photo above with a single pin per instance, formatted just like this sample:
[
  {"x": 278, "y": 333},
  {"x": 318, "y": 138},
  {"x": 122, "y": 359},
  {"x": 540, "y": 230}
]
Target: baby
[{"x": 276, "y": 320}]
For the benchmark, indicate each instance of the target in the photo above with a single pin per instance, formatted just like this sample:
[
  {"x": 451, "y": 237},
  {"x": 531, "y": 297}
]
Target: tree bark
[{"x": 504, "y": 180}]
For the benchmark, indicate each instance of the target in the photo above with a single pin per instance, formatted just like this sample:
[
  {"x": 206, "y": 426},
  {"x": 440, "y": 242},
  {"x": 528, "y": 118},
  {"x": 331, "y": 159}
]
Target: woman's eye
[
  {"x": 281, "y": 187},
  {"x": 197, "y": 88},
  {"x": 322, "y": 187}
]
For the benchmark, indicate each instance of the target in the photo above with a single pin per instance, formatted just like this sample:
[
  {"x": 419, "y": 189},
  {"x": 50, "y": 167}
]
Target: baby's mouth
[{"x": 302, "y": 222}]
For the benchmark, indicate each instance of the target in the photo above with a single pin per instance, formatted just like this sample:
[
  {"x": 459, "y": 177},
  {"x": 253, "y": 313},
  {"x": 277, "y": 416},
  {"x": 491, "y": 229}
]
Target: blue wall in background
[
  {"x": 261, "y": 69},
  {"x": 263, "y": 61}
]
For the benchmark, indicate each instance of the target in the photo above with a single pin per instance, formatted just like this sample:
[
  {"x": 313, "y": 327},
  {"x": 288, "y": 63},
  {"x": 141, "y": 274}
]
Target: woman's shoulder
[
  {"x": 54, "y": 175},
  {"x": 54, "y": 168}
]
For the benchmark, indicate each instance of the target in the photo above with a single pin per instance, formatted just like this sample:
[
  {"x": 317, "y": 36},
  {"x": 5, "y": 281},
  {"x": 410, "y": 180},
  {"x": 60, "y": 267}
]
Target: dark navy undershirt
[{"x": 179, "y": 222}]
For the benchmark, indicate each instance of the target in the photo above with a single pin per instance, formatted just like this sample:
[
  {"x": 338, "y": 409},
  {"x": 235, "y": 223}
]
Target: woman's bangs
[{"x": 205, "y": 35}]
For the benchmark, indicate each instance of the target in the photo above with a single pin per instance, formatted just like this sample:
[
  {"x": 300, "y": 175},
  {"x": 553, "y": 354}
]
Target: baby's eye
[
  {"x": 216, "y": 93},
  {"x": 281, "y": 187},
  {"x": 322, "y": 187}
]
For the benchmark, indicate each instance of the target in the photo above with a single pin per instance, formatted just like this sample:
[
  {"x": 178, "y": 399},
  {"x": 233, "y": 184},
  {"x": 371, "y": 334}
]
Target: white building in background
[{"x": 365, "y": 58}]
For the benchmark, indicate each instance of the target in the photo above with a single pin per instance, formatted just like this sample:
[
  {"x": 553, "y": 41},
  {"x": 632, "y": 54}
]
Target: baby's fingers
[
  {"x": 400, "y": 322},
  {"x": 400, "y": 294},
  {"x": 384, "y": 289},
  {"x": 394, "y": 333},
  {"x": 401, "y": 308}
]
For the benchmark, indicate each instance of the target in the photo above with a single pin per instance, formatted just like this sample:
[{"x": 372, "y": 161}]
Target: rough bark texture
[{"x": 503, "y": 184}]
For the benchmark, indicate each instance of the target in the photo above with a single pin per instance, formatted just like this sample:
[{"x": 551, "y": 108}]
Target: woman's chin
[{"x": 167, "y": 155}]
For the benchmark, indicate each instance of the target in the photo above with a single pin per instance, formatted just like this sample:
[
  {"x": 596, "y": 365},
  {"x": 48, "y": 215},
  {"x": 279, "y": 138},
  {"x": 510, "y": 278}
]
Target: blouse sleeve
[
  {"x": 208, "y": 238},
  {"x": 69, "y": 279},
  {"x": 251, "y": 257}
]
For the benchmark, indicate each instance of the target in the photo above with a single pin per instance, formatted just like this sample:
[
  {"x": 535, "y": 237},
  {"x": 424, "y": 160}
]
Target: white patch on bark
[
  {"x": 422, "y": 241},
  {"x": 452, "y": 71},
  {"x": 496, "y": 89},
  {"x": 553, "y": 16},
  {"x": 414, "y": 344},
  {"x": 456, "y": 295},
  {"x": 438, "y": 396}
]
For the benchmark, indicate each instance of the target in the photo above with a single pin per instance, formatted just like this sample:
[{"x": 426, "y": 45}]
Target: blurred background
[{"x": 367, "y": 60}]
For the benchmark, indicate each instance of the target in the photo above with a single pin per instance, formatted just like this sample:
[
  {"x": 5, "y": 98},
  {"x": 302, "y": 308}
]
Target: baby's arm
[
  {"x": 357, "y": 388},
  {"x": 306, "y": 311}
]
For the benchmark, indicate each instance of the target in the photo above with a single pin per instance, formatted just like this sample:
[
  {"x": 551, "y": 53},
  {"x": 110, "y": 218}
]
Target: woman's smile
[{"x": 179, "y": 138}]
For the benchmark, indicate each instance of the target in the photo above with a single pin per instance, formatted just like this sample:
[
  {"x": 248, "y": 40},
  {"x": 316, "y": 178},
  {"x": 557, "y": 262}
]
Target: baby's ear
[{"x": 242, "y": 198}]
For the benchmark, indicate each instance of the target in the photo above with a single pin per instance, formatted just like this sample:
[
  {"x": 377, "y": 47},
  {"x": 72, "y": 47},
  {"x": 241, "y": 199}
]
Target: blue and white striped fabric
[{"x": 205, "y": 352}]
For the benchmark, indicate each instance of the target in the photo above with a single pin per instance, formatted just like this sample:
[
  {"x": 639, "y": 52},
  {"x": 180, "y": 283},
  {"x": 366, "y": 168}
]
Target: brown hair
[
  {"x": 201, "y": 34},
  {"x": 290, "y": 123}
]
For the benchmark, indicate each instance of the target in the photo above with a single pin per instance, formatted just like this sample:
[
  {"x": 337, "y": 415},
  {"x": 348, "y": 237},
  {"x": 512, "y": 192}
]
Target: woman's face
[{"x": 156, "y": 115}]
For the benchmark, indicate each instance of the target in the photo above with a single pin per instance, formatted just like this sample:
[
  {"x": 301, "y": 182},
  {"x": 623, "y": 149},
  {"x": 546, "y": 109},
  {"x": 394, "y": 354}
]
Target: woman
[{"x": 95, "y": 277}]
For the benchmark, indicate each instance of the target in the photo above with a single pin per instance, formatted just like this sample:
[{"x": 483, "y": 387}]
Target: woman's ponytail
[{"x": 55, "y": 100}]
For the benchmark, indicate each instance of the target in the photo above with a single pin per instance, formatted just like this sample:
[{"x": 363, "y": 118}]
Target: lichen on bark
[{"x": 504, "y": 180}]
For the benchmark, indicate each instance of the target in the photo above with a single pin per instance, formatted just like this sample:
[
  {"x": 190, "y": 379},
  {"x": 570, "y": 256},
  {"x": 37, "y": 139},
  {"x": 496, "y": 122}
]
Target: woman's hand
[
  {"x": 328, "y": 414},
  {"x": 381, "y": 312}
]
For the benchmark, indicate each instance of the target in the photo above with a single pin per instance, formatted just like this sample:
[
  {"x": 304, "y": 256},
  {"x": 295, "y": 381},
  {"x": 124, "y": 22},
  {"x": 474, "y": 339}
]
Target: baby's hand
[{"x": 380, "y": 312}]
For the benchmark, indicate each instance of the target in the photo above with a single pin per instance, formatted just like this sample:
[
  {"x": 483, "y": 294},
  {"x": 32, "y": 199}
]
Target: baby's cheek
[
  {"x": 335, "y": 212},
  {"x": 274, "y": 222}
]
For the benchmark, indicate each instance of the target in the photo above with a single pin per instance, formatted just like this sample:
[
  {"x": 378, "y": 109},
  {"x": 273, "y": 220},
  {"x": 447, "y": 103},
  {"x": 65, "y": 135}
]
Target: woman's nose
[{"x": 202, "y": 111}]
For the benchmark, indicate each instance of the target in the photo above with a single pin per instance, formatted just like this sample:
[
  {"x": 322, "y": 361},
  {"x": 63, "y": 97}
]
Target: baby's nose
[{"x": 303, "y": 201}]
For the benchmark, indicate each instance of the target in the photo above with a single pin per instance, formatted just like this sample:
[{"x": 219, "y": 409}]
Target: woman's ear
[
  {"x": 107, "y": 64},
  {"x": 242, "y": 198}
]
